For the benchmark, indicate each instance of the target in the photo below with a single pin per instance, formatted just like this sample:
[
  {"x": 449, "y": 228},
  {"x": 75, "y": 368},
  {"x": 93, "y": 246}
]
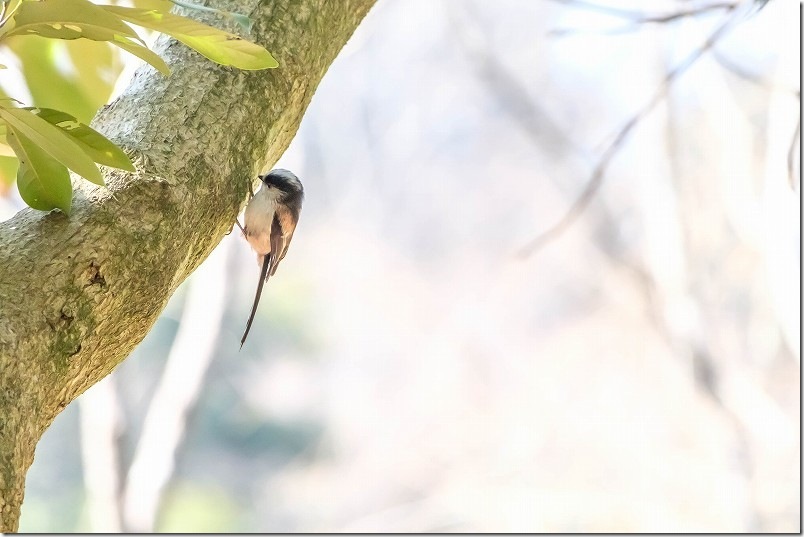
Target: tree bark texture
[{"x": 78, "y": 293}]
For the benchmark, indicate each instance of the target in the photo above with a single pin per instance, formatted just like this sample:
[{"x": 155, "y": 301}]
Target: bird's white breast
[{"x": 258, "y": 219}]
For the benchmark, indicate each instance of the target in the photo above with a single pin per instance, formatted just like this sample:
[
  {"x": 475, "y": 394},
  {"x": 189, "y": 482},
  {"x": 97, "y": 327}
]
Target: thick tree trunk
[{"x": 78, "y": 294}]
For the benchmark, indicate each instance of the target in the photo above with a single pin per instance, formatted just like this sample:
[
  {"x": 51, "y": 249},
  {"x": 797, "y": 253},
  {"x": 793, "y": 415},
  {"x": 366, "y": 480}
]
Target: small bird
[{"x": 270, "y": 220}]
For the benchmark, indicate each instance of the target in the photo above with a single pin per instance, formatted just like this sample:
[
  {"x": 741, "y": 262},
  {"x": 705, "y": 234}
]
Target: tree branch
[
  {"x": 78, "y": 294},
  {"x": 637, "y": 19},
  {"x": 596, "y": 180}
]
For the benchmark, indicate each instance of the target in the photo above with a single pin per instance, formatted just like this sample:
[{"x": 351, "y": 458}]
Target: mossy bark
[{"x": 78, "y": 293}]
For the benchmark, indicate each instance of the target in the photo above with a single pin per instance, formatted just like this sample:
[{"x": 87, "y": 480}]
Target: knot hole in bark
[{"x": 94, "y": 276}]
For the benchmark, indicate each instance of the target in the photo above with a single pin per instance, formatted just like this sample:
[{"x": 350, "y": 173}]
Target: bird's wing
[
  {"x": 281, "y": 234},
  {"x": 280, "y": 241}
]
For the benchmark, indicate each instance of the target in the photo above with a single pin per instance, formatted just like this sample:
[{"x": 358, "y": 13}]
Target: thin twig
[
  {"x": 638, "y": 19},
  {"x": 640, "y": 22},
  {"x": 513, "y": 96},
  {"x": 745, "y": 74},
  {"x": 596, "y": 179},
  {"x": 791, "y": 156},
  {"x": 770, "y": 86},
  {"x": 639, "y": 16}
]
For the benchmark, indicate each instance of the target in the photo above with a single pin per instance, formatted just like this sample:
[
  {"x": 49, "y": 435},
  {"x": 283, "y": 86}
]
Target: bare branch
[
  {"x": 639, "y": 16},
  {"x": 636, "y": 19},
  {"x": 747, "y": 75},
  {"x": 533, "y": 117},
  {"x": 598, "y": 173},
  {"x": 791, "y": 155}
]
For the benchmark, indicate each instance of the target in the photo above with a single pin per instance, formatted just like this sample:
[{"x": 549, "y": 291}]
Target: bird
[{"x": 269, "y": 222}]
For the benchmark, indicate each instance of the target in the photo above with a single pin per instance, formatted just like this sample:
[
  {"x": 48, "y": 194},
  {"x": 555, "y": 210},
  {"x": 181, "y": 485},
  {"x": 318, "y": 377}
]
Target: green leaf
[
  {"x": 143, "y": 53},
  {"x": 52, "y": 140},
  {"x": 93, "y": 143},
  {"x": 67, "y": 19},
  {"x": 217, "y": 45},
  {"x": 43, "y": 183},
  {"x": 243, "y": 20}
]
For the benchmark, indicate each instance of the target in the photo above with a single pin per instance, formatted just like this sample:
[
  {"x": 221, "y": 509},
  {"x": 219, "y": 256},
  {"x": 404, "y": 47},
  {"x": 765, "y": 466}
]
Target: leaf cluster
[{"x": 49, "y": 142}]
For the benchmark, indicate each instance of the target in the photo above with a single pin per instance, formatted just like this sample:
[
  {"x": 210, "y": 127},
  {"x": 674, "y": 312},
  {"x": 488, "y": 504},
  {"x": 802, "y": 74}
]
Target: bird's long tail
[{"x": 266, "y": 263}]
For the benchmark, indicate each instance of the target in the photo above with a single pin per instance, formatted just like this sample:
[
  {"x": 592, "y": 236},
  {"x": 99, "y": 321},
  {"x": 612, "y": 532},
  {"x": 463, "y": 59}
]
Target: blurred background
[{"x": 416, "y": 365}]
